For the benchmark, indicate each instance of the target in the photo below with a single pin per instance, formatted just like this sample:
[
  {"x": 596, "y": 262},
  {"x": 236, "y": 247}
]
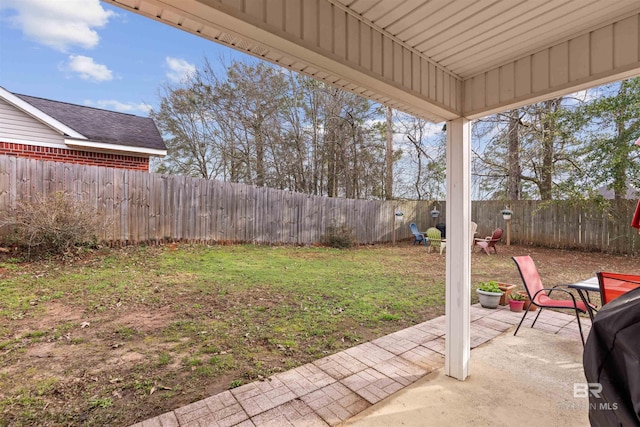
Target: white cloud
[
  {"x": 59, "y": 24},
  {"x": 179, "y": 69},
  {"x": 87, "y": 69},
  {"x": 123, "y": 107}
]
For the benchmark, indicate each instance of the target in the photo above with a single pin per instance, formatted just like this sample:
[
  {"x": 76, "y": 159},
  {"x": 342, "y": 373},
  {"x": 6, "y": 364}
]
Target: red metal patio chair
[
  {"x": 612, "y": 285},
  {"x": 541, "y": 296}
]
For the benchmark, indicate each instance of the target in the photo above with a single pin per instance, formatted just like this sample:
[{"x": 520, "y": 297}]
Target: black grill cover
[
  {"x": 612, "y": 359},
  {"x": 443, "y": 230}
]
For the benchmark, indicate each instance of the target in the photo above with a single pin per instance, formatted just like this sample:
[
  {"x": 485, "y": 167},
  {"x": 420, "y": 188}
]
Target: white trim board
[
  {"x": 39, "y": 115},
  {"x": 111, "y": 147},
  {"x": 94, "y": 147}
]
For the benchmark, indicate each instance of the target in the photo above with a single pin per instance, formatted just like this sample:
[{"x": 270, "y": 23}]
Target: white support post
[{"x": 458, "y": 219}]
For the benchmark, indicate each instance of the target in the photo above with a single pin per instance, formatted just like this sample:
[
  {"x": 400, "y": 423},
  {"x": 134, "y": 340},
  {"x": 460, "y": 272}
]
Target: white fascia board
[
  {"x": 39, "y": 115},
  {"x": 114, "y": 147},
  {"x": 35, "y": 143}
]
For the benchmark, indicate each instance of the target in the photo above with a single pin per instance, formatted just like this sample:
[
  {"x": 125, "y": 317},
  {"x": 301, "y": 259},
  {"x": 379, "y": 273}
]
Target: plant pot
[
  {"x": 516, "y": 305},
  {"x": 527, "y": 302},
  {"x": 489, "y": 299},
  {"x": 506, "y": 288}
]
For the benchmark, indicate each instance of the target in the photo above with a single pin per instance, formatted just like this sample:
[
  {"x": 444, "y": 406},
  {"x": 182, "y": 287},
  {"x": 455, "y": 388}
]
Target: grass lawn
[{"x": 123, "y": 335}]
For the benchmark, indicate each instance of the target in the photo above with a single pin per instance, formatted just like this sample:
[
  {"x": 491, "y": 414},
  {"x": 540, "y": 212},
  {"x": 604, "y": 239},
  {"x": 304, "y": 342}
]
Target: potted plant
[
  {"x": 489, "y": 294},
  {"x": 506, "y": 213},
  {"x": 516, "y": 302},
  {"x": 527, "y": 302},
  {"x": 506, "y": 289}
]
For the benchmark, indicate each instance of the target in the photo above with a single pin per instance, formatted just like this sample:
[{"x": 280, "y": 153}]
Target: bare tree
[
  {"x": 193, "y": 137},
  {"x": 424, "y": 152},
  {"x": 514, "y": 186},
  {"x": 262, "y": 125},
  {"x": 524, "y": 153},
  {"x": 388, "y": 157}
]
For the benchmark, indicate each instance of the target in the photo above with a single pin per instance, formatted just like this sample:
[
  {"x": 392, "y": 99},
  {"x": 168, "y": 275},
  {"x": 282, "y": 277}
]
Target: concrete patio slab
[
  {"x": 398, "y": 380},
  {"x": 532, "y": 373}
]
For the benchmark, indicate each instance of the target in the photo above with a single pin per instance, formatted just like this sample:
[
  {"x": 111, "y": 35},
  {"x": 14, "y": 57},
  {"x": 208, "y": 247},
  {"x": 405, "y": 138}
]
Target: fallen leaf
[
  {"x": 153, "y": 389},
  {"x": 84, "y": 325}
]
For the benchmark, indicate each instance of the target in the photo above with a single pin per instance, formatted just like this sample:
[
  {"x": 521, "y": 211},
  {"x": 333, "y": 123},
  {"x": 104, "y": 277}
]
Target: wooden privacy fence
[
  {"x": 564, "y": 224},
  {"x": 142, "y": 207}
]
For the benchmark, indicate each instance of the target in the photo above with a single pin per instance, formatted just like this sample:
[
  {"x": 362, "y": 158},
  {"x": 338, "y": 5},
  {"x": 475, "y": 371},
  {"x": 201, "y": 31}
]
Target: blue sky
[{"x": 90, "y": 53}]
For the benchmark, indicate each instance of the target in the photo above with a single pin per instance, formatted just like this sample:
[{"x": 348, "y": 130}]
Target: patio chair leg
[
  {"x": 580, "y": 327},
  {"x": 521, "y": 320},
  {"x": 536, "y": 319}
]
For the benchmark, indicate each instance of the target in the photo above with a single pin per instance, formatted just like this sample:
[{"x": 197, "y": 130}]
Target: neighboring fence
[
  {"x": 144, "y": 207},
  {"x": 564, "y": 224}
]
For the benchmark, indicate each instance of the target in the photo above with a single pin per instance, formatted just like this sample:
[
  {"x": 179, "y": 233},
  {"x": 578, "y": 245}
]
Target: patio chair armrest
[{"x": 556, "y": 288}]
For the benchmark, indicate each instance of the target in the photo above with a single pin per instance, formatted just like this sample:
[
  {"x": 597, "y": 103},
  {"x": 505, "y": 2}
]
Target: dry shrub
[
  {"x": 339, "y": 236},
  {"x": 53, "y": 224}
]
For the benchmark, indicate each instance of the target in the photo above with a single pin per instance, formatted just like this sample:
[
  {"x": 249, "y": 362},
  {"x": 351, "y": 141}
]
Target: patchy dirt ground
[{"x": 72, "y": 353}]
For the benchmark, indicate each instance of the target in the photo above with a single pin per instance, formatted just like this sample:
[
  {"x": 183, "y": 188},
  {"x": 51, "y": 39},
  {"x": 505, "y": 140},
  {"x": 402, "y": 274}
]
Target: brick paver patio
[{"x": 335, "y": 388}]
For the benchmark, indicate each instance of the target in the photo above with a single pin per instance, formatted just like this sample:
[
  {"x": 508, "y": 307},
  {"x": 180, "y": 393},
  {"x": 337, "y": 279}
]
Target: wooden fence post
[{"x": 393, "y": 226}]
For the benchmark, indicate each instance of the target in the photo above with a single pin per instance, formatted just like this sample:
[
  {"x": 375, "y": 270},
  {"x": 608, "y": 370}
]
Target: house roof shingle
[{"x": 102, "y": 125}]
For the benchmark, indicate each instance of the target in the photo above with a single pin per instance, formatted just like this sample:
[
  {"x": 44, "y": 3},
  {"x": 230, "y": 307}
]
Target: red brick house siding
[{"x": 75, "y": 156}]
